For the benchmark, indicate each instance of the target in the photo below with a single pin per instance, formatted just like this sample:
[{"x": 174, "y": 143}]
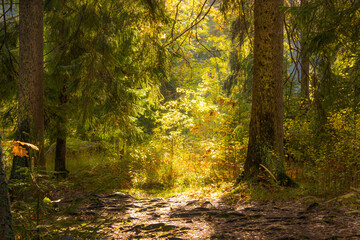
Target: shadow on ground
[{"x": 179, "y": 217}]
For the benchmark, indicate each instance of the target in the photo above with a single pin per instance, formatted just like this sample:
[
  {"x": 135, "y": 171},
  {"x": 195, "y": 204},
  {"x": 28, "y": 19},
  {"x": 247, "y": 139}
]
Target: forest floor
[{"x": 123, "y": 216}]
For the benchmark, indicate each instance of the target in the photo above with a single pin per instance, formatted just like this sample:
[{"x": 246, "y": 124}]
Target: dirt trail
[{"x": 183, "y": 218}]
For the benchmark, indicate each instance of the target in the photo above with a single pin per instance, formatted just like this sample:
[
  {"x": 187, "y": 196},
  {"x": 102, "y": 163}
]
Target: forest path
[{"x": 179, "y": 217}]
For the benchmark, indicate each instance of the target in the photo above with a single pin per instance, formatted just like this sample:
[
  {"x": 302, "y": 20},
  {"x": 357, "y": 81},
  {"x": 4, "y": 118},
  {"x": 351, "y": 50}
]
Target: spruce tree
[{"x": 265, "y": 149}]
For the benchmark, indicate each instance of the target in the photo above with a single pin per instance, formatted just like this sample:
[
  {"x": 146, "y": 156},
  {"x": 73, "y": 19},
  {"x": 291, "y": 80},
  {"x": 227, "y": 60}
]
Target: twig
[
  {"x": 272, "y": 175},
  {"x": 35, "y": 183},
  {"x": 176, "y": 15},
  {"x": 193, "y": 24},
  {"x": 206, "y": 48}
]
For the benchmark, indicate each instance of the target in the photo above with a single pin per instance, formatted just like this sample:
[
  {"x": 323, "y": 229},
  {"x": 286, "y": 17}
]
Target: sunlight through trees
[{"x": 172, "y": 95}]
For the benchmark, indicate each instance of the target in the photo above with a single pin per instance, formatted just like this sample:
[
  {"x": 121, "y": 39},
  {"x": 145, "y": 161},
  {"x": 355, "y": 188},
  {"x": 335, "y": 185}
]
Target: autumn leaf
[
  {"x": 220, "y": 101},
  {"x": 195, "y": 129},
  {"x": 19, "y": 150},
  {"x": 232, "y": 103}
]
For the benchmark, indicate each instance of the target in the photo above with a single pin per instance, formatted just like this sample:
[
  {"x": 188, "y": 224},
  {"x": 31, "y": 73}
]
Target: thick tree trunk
[
  {"x": 6, "y": 230},
  {"x": 265, "y": 149},
  {"x": 31, "y": 75}
]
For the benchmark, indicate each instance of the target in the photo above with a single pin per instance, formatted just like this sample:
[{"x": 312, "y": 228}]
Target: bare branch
[
  {"x": 176, "y": 15},
  {"x": 194, "y": 23}
]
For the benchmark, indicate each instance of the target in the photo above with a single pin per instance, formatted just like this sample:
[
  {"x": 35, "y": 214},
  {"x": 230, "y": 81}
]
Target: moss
[{"x": 286, "y": 181}]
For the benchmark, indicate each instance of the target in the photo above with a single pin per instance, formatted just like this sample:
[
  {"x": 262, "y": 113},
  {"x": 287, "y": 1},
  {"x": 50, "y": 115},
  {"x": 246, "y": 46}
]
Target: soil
[{"x": 181, "y": 217}]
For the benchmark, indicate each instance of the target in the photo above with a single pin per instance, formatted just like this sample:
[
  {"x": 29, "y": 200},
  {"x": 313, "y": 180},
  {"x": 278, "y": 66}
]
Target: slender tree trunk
[
  {"x": 304, "y": 84},
  {"x": 305, "y": 68},
  {"x": 60, "y": 153},
  {"x": 6, "y": 230},
  {"x": 265, "y": 149},
  {"x": 31, "y": 80},
  {"x": 60, "y": 157}
]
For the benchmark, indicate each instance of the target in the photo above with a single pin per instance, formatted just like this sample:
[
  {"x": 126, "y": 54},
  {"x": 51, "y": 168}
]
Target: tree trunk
[
  {"x": 60, "y": 157},
  {"x": 304, "y": 84},
  {"x": 60, "y": 153},
  {"x": 31, "y": 75},
  {"x": 305, "y": 68},
  {"x": 265, "y": 149},
  {"x": 6, "y": 230}
]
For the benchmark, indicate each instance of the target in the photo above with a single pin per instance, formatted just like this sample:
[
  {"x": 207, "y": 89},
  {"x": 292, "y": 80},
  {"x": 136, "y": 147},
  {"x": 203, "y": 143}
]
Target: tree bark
[
  {"x": 265, "y": 149},
  {"x": 6, "y": 229},
  {"x": 31, "y": 75}
]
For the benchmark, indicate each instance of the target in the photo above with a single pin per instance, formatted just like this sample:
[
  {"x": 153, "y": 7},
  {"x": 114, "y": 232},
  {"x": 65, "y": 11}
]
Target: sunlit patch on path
[{"x": 179, "y": 217}]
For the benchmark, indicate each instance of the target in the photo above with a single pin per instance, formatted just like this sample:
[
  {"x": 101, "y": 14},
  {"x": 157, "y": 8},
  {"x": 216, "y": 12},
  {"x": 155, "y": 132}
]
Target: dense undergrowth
[{"x": 182, "y": 159}]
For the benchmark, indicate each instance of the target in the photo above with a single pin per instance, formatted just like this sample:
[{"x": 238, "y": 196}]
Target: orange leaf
[
  {"x": 232, "y": 103},
  {"x": 221, "y": 101},
  {"x": 195, "y": 129},
  {"x": 19, "y": 150}
]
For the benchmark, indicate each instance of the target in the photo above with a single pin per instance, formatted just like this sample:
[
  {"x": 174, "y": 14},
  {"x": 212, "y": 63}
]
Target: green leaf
[{"x": 46, "y": 200}]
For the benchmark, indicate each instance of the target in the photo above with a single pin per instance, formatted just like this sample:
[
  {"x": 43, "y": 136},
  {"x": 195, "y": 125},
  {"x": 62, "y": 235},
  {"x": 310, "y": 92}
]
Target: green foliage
[
  {"x": 193, "y": 143},
  {"x": 193, "y": 140},
  {"x": 8, "y": 63},
  {"x": 331, "y": 165},
  {"x": 104, "y": 74},
  {"x": 112, "y": 174},
  {"x": 320, "y": 136}
]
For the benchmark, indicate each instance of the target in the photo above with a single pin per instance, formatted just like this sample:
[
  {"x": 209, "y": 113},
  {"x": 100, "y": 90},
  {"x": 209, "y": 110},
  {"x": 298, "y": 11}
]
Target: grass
[
  {"x": 95, "y": 172},
  {"x": 98, "y": 172}
]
